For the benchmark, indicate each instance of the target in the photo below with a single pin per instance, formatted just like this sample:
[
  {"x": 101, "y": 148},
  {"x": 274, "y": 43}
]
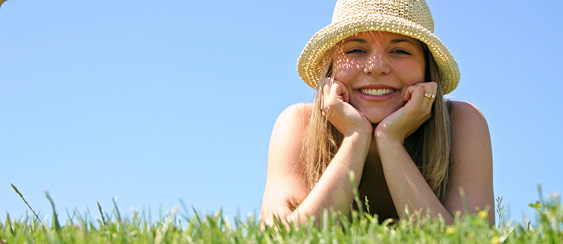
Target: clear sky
[{"x": 152, "y": 101}]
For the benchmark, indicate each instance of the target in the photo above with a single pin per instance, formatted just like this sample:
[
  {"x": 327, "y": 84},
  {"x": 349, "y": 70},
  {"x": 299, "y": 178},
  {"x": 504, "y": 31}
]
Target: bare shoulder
[
  {"x": 464, "y": 113},
  {"x": 471, "y": 160},
  {"x": 290, "y": 125},
  {"x": 285, "y": 178},
  {"x": 296, "y": 113},
  {"x": 288, "y": 132},
  {"x": 469, "y": 130}
]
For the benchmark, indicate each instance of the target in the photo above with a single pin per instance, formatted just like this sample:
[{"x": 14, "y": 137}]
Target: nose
[{"x": 376, "y": 64}]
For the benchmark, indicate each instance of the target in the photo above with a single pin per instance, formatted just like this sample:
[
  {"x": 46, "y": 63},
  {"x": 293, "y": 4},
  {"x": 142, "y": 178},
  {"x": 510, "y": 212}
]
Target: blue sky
[{"x": 149, "y": 102}]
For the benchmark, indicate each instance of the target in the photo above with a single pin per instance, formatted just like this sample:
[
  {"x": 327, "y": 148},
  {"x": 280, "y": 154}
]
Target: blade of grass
[
  {"x": 356, "y": 193},
  {"x": 56, "y": 224},
  {"x": 463, "y": 200},
  {"x": 21, "y": 196},
  {"x": 101, "y": 212},
  {"x": 116, "y": 210},
  {"x": 71, "y": 217}
]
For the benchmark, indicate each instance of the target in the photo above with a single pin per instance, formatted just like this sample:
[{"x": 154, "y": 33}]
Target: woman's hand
[
  {"x": 406, "y": 120},
  {"x": 340, "y": 113}
]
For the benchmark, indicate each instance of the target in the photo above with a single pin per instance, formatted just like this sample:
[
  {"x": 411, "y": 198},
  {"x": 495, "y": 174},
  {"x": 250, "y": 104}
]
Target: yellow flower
[
  {"x": 450, "y": 230},
  {"x": 495, "y": 240},
  {"x": 483, "y": 214}
]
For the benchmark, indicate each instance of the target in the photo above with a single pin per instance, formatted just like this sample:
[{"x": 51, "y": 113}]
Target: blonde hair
[{"x": 429, "y": 146}]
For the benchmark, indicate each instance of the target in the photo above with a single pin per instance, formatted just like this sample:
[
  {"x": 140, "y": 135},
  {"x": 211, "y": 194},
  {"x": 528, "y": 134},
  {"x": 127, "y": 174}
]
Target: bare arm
[
  {"x": 286, "y": 177},
  {"x": 285, "y": 166},
  {"x": 406, "y": 184},
  {"x": 471, "y": 169},
  {"x": 472, "y": 161}
]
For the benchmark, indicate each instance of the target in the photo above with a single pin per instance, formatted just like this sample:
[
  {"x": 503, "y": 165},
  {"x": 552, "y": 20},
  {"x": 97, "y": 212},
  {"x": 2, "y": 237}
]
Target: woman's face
[{"x": 377, "y": 68}]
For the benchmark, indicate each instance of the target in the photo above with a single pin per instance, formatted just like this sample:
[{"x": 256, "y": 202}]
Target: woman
[{"x": 379, "y": 114}]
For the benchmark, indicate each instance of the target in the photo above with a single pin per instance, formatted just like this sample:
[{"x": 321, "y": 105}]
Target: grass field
[{"x": 187, "y": 226}]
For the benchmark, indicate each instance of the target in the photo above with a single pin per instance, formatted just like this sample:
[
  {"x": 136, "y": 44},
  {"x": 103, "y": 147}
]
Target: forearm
[
  {"x": 334, "y": 189},
  {"x": 406, "y": 184}
]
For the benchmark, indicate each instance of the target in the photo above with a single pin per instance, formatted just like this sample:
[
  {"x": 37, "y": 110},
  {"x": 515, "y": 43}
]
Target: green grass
[{"x": 175, "y": 227}]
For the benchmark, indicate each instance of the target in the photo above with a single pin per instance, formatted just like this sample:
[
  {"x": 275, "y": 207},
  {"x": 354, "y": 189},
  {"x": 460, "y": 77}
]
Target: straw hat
[{"x": 410, "y": 18}]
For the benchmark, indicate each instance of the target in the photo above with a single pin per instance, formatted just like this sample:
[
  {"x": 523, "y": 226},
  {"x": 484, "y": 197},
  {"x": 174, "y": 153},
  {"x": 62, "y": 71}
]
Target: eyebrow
[
  {"x": 393, "y": 41},
  {"x": 355, "y": 40}
]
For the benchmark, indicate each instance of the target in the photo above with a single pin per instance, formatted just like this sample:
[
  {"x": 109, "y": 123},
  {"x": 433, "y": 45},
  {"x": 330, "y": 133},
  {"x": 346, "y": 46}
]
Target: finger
[
  {"x": 429, "y": 96},
  {"x": 327, "y": 83},
  {"x": 407, "y": 95},
  {"x": 330, "y": 96},
  {"x": 412, "y": 91},
  {"x": 430, "y": 86},
  {"x": 335, "y": 93},
  {"x": 325, "y": 107},
  {"x": 416, "y": 93},
  {"x": 341, "y": 91},
  {"x": 345, "y": 93},
  {"x": 430, "y": 89}
]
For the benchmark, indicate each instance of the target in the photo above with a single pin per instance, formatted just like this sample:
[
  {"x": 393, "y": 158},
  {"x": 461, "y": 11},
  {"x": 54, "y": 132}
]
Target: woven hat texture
[{"x": 410, "y": 18}]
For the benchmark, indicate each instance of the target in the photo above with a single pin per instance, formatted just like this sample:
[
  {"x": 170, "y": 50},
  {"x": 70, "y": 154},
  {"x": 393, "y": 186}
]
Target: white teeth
[{"x": 376, "y": 92}]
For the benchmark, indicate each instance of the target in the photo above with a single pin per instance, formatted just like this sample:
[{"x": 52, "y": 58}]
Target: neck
[{"x": 373, "y": 161}]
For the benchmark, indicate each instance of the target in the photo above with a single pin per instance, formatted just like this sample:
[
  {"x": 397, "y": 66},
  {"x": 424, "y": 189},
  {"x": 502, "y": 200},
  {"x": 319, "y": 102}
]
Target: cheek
[
  {"x": 412, "y": 73},
  {"x": 345, "y": 69}
]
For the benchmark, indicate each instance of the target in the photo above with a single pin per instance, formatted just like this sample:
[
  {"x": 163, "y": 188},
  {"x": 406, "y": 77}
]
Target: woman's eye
[
  {"x": 400, "y": 51},
  {"x": 356, "y": 50}
]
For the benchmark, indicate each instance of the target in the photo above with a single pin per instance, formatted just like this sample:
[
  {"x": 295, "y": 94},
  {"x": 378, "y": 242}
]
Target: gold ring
[{"x": 429, "y": 95}]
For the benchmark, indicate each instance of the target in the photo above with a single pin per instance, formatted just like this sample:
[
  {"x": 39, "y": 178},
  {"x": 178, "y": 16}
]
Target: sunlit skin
[
  {"x": 378, "y": 60},
  {"x": 390, "y": 65},
  {"x": 375, "y": 97}
]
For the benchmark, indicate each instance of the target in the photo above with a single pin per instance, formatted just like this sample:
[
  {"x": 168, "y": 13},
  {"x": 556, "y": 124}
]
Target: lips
[{"x": 377, "y": 92}]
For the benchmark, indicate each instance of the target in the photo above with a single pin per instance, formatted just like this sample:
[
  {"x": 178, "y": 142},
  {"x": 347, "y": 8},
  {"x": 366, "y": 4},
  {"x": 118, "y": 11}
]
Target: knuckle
[{"x": 412, "y": 112}]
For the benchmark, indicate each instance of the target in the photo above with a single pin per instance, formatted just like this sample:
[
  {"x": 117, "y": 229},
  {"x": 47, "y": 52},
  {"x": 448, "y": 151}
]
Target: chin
[
  {"x": 376, "y": 115},
  {"x": 375, "y": 119}
]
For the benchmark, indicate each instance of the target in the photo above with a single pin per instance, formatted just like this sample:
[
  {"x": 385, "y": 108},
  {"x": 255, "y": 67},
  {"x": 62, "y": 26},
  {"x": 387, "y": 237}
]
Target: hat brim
[{"x": 315, "y": 56}]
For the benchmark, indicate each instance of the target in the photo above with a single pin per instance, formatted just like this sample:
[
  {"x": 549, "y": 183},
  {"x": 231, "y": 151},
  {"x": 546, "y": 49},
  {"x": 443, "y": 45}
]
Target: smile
[{"x": 377, "y": 92}]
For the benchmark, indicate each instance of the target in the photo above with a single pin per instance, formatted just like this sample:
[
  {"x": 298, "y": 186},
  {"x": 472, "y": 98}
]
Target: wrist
[
  {"x": 359, "y": 139},
  {"x": 386, "y": 145},
  {"x": 381, "y": 137},
  {"x": 357, "y": 132},
  {"x": 356, "y": 135}
]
